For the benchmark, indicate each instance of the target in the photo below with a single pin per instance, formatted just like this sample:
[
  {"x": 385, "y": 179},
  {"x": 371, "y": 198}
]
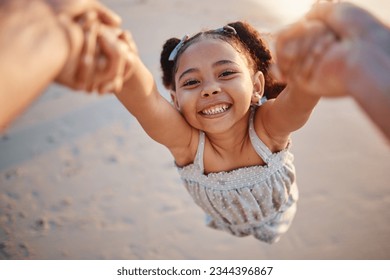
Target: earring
[{"x": 256, "y": 99}]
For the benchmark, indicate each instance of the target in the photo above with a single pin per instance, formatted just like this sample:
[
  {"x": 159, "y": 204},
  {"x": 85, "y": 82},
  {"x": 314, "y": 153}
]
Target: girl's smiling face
[{"x": 214, "y": 85}]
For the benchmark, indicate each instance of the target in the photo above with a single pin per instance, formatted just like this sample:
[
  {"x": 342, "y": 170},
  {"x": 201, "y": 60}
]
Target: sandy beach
[{"x": 80, "y": 179}]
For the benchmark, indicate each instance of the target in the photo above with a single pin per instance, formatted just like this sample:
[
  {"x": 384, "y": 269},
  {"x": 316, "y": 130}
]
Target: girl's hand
[
  {"x": 301, "y": 51},
  {"x": 120, "y": 51},
  {"x": 80, "y": 21},
  {"x": 113, "y": 61}
]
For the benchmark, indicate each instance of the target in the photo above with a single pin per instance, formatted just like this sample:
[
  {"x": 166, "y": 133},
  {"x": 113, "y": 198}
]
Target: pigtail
[
  {"x": 166, "y": 64},
  {"x": 261, "y": 56}
]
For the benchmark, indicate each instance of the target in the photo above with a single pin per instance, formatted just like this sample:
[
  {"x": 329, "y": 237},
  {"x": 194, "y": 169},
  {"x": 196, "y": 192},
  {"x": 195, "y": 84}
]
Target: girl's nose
[{"x": 210, "y": 89}]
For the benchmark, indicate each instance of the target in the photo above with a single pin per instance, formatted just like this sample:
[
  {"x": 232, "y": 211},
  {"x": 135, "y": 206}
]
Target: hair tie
[
  {"x": 174, "y": 52},
  {"x": 227, "y": 29}
]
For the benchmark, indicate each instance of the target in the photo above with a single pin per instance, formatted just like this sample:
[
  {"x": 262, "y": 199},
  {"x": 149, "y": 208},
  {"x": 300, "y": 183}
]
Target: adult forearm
[
  {"x": 371, "y": 89},
  {"x": 33, "y": 49}
]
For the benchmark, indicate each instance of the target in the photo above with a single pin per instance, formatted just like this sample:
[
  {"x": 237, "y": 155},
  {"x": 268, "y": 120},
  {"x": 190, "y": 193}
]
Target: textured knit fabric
[{"x": 255, "y": 200}]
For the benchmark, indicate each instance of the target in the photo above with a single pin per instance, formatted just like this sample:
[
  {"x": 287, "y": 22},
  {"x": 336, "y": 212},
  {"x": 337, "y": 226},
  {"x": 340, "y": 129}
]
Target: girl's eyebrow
[
  {"x": 215, "y": 64},
  {"x": 224, "y": 61},
  {"x": 190, "y": 70}
]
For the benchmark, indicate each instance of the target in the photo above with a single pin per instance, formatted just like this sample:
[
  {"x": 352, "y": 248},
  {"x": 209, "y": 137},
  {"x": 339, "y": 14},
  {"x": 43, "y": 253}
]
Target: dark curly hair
[{"x": 245, "y": 39}]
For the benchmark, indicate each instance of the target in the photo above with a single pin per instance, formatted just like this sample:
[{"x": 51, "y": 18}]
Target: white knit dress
[{"x": 255, "y": 200}]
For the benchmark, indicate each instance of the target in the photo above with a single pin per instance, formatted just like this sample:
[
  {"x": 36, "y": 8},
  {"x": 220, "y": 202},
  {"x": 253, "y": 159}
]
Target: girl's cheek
[{"x": 187, "y": 97}]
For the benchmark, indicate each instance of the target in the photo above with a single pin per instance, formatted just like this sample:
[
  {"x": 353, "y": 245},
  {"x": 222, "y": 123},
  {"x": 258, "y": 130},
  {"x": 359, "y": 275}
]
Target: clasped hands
[
  {"x": 337, "y": 49},
  {"x": 100, "y": 54}
]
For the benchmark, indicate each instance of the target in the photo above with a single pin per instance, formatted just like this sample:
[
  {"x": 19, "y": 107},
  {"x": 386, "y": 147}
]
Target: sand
[{"x": 79, "y": 178}]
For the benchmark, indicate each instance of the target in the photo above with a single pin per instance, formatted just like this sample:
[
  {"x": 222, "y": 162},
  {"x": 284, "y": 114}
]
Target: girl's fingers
[
  {"x": 310, "y": 37},
  {"x": 300, "y": 48},
  {"x": 287, "y": 47},
  {"x": 305, "y": 43},
  {"x": 106, "y": 58},
  {"x": 110, "y": 48},
  {"x": 128, "y": 39},
  {"x": 115, "y": 84},
  {"x": 114, "y": 62},
  {"x": 130, "y": 51},
  {"x": 316, "y": 53},
  {"x": 120, "y": 73}
]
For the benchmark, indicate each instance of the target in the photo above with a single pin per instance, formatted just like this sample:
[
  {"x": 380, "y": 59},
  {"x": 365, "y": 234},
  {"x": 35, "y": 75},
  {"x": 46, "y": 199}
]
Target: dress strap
[
  {"x": 198, "y": 161},
  {"x": 261, "y": 149}
]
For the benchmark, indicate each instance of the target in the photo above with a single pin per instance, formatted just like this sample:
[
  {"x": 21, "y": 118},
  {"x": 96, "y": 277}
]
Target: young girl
[{"x": 228, "y": 128}]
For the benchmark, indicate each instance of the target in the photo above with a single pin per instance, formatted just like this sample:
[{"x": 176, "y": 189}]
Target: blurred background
[{"x": 79, "y": 178}]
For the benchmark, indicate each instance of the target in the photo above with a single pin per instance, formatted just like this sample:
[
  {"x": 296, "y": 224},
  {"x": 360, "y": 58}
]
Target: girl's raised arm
[
  {"x": 160, "y": 120},
  {"x": 293, "y": 107},
  {"x": 126, "y": 75}
]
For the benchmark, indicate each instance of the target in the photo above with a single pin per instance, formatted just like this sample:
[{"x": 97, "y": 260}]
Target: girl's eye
[
  {"x": 189, "y": 83},
  {"x": 227, "y": 73}
]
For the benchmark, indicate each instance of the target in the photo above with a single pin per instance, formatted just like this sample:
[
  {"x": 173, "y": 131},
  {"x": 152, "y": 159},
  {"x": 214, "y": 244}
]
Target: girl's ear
[
  {"x": 174, "y": 100},
  {"x": 258, "y": 88},
  {"x": 258, "y": 83}
]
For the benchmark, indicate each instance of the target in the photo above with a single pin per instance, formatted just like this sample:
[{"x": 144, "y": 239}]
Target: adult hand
[
  {"x": 76, "y": 8},
  {"x": 299, "y": 50},
  {"x": 80, "y": 20},
  {"x": 356, "y": 63},
  {"x": 361, "y": 50}
]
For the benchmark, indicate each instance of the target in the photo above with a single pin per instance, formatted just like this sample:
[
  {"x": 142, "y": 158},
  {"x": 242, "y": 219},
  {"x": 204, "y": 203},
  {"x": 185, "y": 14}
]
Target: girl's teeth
[{"x": 215, "y": 110}]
